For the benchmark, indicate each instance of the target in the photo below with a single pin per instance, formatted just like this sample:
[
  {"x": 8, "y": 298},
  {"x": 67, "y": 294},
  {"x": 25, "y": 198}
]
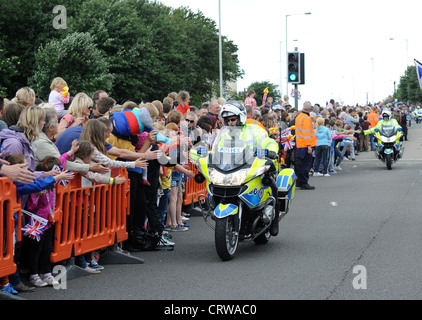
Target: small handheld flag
[
  {"x": 64, "y": 183},
  {"x": 35, "y": 227}
]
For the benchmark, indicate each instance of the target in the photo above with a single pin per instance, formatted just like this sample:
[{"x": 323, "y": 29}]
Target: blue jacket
[
  {"x": 38, "y": 185},
  {"x": 323, "y": 135}
]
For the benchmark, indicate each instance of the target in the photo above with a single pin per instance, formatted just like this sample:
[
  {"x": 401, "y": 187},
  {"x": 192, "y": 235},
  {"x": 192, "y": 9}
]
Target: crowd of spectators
[{"x": 81, "y": 134}]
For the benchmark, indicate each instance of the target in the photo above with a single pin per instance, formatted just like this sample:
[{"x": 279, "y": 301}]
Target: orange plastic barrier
[
  {"x": 89, "y": 218},
  {"x": 193, "y": 190},
  {"x": 8, "y": 207}
]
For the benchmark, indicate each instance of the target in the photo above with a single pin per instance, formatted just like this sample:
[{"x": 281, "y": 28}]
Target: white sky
[{"x": 339, "y": 39}]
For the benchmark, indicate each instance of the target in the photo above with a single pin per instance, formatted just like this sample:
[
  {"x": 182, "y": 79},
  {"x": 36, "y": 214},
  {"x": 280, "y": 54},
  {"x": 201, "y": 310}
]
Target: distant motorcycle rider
[{"x": 387, "y": 120}]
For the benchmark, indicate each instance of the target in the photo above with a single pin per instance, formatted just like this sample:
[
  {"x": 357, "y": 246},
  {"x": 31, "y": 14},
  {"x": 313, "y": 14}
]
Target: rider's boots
[{"x": 274, "y": 224}]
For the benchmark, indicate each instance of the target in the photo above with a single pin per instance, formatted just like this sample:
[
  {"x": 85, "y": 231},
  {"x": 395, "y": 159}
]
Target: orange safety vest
[
  {"x": 373, "y": 119},
  {"x": 305, "y": 132},
  {"x": 252, "y": 121}
]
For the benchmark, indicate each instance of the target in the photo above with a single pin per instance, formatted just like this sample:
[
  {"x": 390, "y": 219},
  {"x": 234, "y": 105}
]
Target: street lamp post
[
  {"x": 289, "y": 15},
  {"x": 373, "y": 80},
  {"x": 220, "y": 48},
  {"x": 407, "y": 49}
]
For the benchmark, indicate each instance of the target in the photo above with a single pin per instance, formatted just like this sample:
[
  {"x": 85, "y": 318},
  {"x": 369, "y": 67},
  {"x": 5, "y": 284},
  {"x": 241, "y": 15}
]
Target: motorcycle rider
[
  {"x": 417, "y": 113},
  {"x": 234, "y": 115},
  {"x": 387, "y": 120}
]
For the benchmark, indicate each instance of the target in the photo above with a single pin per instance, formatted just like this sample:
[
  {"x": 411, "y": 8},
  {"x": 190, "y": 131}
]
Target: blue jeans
[
  {"x": 339, "y": 156},
  {"x": 322, "y": 158},
  {"x": 371, "y": 141},
  {"x": 163, "y": 206}
]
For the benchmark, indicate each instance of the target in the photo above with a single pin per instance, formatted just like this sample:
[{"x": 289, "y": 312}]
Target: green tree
[
  {"x": 149, "y": 48},
  {"x": 408, "y": 88},
  {"x": 259, "y": 88},
  {"x": 76, "y": 59}
]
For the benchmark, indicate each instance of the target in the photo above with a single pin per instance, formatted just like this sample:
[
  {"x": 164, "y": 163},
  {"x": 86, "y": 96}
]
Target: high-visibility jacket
[
  {"x": 252, "y": 135},
  {"x": 253, "y": 121},
  {"x": 305, "y": 132},
  {"x": 249, "y": 135},
  {"x": 373, "y": 119},
  {"x": 380, "y": 124}
]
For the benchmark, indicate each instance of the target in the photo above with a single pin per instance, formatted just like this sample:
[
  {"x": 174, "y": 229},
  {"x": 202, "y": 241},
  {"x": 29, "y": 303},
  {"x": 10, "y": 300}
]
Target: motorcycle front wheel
[
  {"x": 226, "y": 237},
  {"x": 389, "y": 161}
]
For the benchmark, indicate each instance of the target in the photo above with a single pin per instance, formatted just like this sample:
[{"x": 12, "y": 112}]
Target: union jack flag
[
  {"x": 419, "y": 72},
  {"x": 288, "y": 144},
  {"x": 286, "y": 139},
  {"x": 35, "y": 227},
  {"x": 64, "y": 183}
]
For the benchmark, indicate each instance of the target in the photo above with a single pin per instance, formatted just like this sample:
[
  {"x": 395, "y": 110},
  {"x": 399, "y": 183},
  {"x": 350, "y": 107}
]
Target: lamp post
[
  {"x": 289, "y": 15},
  {"x": 373, "y": 79},
  {"x": 407, "y": 49},
  {"x": 220, "y": 48}
]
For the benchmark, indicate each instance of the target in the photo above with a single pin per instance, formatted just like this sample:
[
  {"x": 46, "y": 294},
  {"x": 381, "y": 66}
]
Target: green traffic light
[{"x": 293, "y": 77}]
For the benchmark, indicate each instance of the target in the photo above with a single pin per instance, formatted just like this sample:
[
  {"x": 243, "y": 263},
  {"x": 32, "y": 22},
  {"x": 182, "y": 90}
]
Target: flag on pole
[
  {"x": 292, "y": 94},
  {"x": 419, "y": 72},
  {"x": 265, "y": 96},
  {"x": 35, "y": 227}
]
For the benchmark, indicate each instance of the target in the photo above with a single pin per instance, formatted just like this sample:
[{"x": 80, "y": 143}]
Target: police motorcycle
[
  {"x": 247, "y": 193},
  {"x": 389, "y": 148},
  {"x": 418, "y": 115}
]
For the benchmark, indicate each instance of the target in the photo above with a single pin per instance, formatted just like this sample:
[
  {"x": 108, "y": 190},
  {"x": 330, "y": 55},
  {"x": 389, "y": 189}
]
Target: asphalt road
[{"x": 357, "y": 236}]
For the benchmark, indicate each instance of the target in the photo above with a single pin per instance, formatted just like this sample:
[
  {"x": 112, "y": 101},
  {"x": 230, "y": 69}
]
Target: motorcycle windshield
[
  {"x": 388, "y": 131},
  {"x": 233, "y": 148}
]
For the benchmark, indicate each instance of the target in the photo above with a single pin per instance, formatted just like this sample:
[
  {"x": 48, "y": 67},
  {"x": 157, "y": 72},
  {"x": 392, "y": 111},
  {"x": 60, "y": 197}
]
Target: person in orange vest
[
  {"x": 305, "y": 144},
  {"x": 373, "y": 119}
]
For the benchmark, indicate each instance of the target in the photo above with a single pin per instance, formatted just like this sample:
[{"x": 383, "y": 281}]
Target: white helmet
[
  {"x": 386, "y": 113},
  {"x": 234, "y": 108}
]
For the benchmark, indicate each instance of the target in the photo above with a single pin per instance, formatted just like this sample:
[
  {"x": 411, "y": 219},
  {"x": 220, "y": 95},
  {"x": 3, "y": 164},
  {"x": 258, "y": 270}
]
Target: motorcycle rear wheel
[{"x": 226, "y": 237}]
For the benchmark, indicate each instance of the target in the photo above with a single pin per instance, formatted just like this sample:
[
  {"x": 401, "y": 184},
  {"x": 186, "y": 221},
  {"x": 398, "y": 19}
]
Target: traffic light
[
  {"x": 302, "y": 68},
  {"x": 293, "y": 67}
]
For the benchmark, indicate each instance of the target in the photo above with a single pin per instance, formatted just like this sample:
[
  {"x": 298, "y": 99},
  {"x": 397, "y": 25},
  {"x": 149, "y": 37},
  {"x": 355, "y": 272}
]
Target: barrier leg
[
  {"x": 8, "y": 296},
  {"x": 115, "y": 255},
  {"x": 73, "y": 271}
]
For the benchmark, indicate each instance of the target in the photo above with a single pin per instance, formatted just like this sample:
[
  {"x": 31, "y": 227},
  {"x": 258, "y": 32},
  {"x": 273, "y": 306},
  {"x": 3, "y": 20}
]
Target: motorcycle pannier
[{"x": 286, "y": 184}]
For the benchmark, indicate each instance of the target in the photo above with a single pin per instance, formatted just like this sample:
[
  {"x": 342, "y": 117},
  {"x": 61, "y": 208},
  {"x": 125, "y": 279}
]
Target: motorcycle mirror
[{"x": 199, "y": 178}]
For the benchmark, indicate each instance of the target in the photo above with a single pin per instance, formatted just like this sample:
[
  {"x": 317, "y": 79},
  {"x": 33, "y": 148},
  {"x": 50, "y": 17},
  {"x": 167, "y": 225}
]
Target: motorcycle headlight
[{"x": 228, "y": 179}]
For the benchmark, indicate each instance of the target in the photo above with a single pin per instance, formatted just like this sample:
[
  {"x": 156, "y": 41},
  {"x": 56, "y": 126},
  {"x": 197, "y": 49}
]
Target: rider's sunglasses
[{"x": 232, "y": 119}]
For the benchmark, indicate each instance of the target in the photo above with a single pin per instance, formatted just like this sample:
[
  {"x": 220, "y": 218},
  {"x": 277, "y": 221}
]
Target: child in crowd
[
  {"x": 59, "y": 96},
  {"x": 84, "y": 155},
  {"x": 323, "y": 135},
  {"x": 174, "y": 205},
  {"x": 41, "y": 202}
]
